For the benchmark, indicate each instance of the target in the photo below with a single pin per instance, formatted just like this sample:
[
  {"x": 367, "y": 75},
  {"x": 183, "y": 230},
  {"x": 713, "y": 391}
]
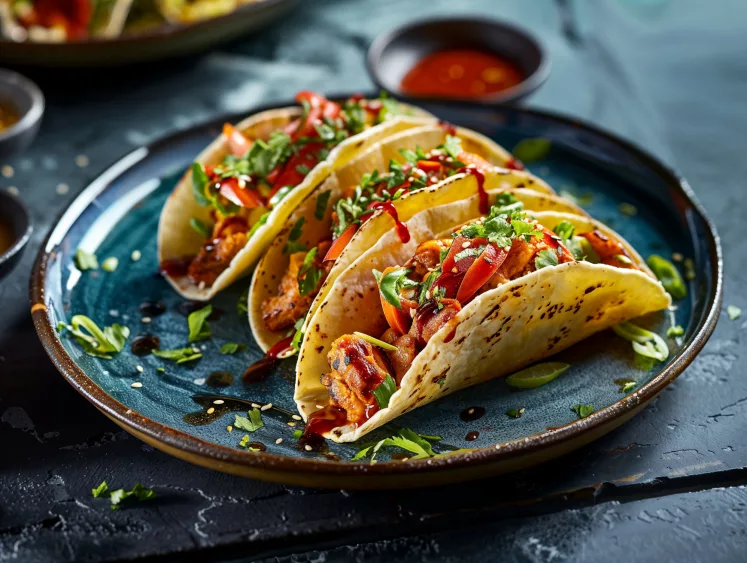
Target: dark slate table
[{"x": 669, "y": 485}]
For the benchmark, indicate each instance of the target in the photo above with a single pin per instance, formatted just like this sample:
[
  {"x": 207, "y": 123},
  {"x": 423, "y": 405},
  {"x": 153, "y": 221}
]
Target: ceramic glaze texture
[{"x": 124, "y": 217}]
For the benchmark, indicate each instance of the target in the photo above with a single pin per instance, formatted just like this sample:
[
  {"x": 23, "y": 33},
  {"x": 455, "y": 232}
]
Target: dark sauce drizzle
[
  {"x": 472, "y": 413},
  {"x": 230, "y": 404},
  {"x": 144, "y": 344}
]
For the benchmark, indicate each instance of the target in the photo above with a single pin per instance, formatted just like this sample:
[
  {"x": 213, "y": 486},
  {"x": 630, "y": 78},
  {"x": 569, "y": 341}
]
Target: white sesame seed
[
  {"x": 279, "y": 441},
  {"x": 139, "y": 368},
  {"x": 319, "y": 407},
  {"x": 201, "y": 286},
  {"x": 211, "y": 410},
  {"x": 229, "y": 428},
  {"x": 266, "y": 407},
  {"x": 218, "y": 402},
  {"x": 145, "y": 320},
  {"x": 465, "y": 244},
  {"x": 404, "y": 459},
  {"x": 113, "y": 312},
  {"x": 13, "y": 190},
  {"x": 136, "y": 385},
  {"x": 199, "y": 381},
  {"x": 62, "y": 189},
  {"x": 454, "y": 270},
  {"x": 291, "y": 423},
  {"x": 136, "y": 255},
  {"x": 8, "y": 171},
  {"x": 81, "y": 160},
  {"x": 307, "y": 448},
  {"x": 195, "y": 350},
  {"x": 677, "y": 257},
  {"x": 296, "y": 417}
]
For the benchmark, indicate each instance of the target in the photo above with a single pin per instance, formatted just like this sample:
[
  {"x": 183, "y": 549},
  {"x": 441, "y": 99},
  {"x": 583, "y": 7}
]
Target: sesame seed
[
  {"x": 677, "y": 257},
  {"x": 145, "y": 320},
  {"x": 199, "y": 381},
  {"x": 218, "y": 402},
  {"x": 8, "y": 171},
  {"x": 211, "y": 410},
  {"x": 266, "y": 407},
  {"x": 62, "y": 189},
  {"x": 307, "y": 448},
  {"x": 201, "y": 286},
  {"x": 256, "y": 406},
  {"x": 81, "y": 160},
  {"x": 279, "y": 441},
  {"x": 296, "y": 417},
  {"x": 139, "y": 368},
  {"x": 454, "y": 270},
  {"x": 229, "y": 428},
  {"x": 465, "y": 244},
  {"x": 113, "y": 312},
  {"x": 291, "y": 423},
  {"x": 136, "y": 255},
  {"x": 136, "y": 385},
  {"x": 470, "y": 411},
  {"x": 195, "y": 349},
  {"x": 404, "y": 459},
  {"x": 319, "y": 406}
]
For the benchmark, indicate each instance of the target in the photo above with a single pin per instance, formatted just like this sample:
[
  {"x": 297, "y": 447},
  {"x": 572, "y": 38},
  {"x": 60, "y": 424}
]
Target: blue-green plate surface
[{"x": 119, "y": 212}]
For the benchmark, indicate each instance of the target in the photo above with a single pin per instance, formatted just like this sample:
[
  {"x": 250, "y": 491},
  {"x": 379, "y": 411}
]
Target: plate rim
[{"x": 207, "y": 453}]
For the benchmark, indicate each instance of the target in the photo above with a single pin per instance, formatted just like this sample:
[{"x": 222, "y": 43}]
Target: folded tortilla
[
  {"x": 500, "y": 331},
  {"x": 534, "y": 192},
  {"x": 176, "y": 239}
]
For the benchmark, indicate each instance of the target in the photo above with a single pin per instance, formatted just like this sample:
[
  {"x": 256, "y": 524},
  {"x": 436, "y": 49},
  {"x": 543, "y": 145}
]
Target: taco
[
  {"x": 402, "y": 175},
  {"x": 59, "y": 21},
  {"x": 464, "y": 301},
  {"x": 241, "y": 189},
  {"x": 190, "y": 11}
]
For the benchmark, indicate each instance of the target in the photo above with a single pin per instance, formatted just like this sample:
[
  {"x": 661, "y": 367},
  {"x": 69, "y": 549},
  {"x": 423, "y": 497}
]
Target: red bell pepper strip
[
  {"x": 481, "y": 270},
  {"x": 429, "y": 165},
  {"x": 243, "y": 197},
  {"x": 238, "y": 144},
  {"x": 340, "y": 243},
  {"x": 398, "y": 319}
]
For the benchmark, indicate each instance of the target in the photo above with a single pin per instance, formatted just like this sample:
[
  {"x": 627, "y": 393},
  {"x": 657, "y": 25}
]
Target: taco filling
[
  {"x": 258, "y": 173},
  {"x": 433, "y": 286},
  {"x": 308, "y": 269}
]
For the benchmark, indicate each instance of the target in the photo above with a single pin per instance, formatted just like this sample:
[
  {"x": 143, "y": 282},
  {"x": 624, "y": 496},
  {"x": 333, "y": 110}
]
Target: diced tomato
[
  {"x": 289, "y": 174},
  {"x": 453, "y": 271},
  {"x": 243, "y": 197},
  {"x": 238, "y": 144},
  {"x": 315, "y": 100},
  {"x": 481, "y": 270},
  {"x": 514, "y": 164},
  {"x": 73, "y": 15},
  {"x": 319, "y": 107},
  {"x": 340, "y": 243},
  {"x": 429, "y": 165}
]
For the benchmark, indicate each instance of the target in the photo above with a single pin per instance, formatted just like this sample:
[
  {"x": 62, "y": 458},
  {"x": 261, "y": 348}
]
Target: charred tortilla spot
[
  {"x": 462, "y": 339},
  {"x": 316, "y": 327},
  {"x": 319, "y": 349}
]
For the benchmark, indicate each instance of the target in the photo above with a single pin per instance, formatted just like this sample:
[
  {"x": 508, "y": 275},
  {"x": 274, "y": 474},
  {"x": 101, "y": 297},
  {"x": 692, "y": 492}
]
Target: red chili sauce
[{"x": 461, "y": 73}]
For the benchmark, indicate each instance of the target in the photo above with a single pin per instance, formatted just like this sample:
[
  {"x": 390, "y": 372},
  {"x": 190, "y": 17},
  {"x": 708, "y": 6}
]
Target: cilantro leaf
[
  {"x": 583, "y": 410},
  {"x": 545, "y": 258},
  {"x": 200, "y": 181},
  {"x": 199, "y": 329},
  {"x": 321, "y": 204},
  {"x": 100, "y": 490},
  {"x": 251, "y": 424},
  {"x": 453, "y": 146},
  {"x": 231, "y": 348},
  {"x": 200, "y": 227},
  {"x": 179, "y": 355},
  {"x": 97, "y": 342},
  {"x": 309, "y": 275},
  {"x": 564, "y": 230},
  {"x": 391, "y": 284},
  {"x": 384, "y": 391},
  {"x": 242, "y": 308},
  {"x": 293, "y": 245}
]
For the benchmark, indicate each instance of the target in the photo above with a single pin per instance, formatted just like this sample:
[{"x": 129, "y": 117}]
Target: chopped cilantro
[
  {"x": 297, "y": 434},
  {"x": 321, "y": 204},
  {"x": 384, "y": 391},
  {"x": 293, "y": 245},
  {"x": 199, "y": 328},
  {"x": 564, "y": 230},
  {"x": 179, "y": 355},
  {"x": 231, "y": 348},
  {"x": 453, "y": 146},
  {"x": 261, "y": 221},
  {"x": 200, "y": 182},
  {"x": 391, "y": 284},
  {"x": 100, "y": 490},
  {"x": 405, "y": 439},
  {"x": 583, "y": 410},
  {"x": 97, "y": 342},
  {"x": 200, "y": 227},
  {"x": 309, "y": 275},
  {"x": 251, "y": 424},
  {"x": 546, "y": 258},
  {"x": 515, "y": 413},
  {"x": 85, "y": 261},
  {"x": 118, "y": 496},
  {"x": 298, "y": 335},
  {"x": 628, "y": 386},
  {"x": 242, "y": 308},
  {"x": 244, "y": 442}
]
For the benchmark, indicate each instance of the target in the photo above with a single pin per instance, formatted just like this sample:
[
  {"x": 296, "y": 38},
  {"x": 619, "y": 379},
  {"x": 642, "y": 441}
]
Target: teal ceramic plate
[
  {"x": 159, "y": 43},
  {"x": 118, "y": 215}
]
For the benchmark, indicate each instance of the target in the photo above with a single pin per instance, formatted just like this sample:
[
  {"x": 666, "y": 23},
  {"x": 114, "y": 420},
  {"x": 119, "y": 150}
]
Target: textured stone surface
[{"x": 668, "y": 75}]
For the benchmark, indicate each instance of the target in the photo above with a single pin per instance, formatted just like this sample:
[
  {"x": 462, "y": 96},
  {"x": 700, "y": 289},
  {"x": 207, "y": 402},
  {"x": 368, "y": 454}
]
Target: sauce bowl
[
  {"x": 28, "y": 100},
  {"x": 395, "y": 52},
  {"x": 15, "y": 216}
]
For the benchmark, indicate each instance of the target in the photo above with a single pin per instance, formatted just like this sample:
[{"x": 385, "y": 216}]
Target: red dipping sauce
[{"x": 461, "y": 73}]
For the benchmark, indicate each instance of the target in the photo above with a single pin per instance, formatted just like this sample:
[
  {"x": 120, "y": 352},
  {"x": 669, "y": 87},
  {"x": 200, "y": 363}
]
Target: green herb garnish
[
  {"x": 515, "y": 413},
  {"x": 231, "y": 348},
  {"x": 583, "y": 410},
  {"x": 668, "y": 275},
  {"x": 179, "y": 355},
  {"x": 676, "y": 330},
  {"x": 405, "y": 439},
  {"x": 546, "y": 258},
  {"x": 199, "y": 328},
  {"x": 97, "y": 342},
  {"x": 118, "y": 496},
  {"x": 734, "y": 312},
  {"x": 85, "y": 261},
  {"x": 384, "y": 391},
  {"x": 251, "y": 424},
  {"x": 297, "y": 434},
  {"x": 309, "y": 275},
  {"x": 645, "y": 343},
  {"x": 391, "y": 284},
  {"x": 200, "y": 227},
  {"x": 294, "y": 245},
  {"x": 100, "y": 490},
  {"x": 321, "y": 204}
]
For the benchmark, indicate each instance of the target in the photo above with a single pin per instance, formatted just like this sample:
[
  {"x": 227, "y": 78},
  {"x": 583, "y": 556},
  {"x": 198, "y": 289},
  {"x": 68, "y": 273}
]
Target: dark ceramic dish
[
  {"x": 395, "y": 52},
  {"x": 161, "y": 43},
  {"x": 119, "y": 212},
  {"x": 28, "y": 100},
  {"x": 15, "y": 214}
]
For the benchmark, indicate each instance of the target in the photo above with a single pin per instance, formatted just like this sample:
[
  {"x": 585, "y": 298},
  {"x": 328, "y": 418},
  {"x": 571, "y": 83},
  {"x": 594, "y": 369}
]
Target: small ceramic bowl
[
  {"x": 14, "y": 214},
  {"x": 28, "y": 99},
  {"x": 395, "y": 52}
]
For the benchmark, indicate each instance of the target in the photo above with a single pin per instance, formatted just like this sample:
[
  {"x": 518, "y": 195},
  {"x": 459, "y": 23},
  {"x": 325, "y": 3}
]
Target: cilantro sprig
[{"x": 96, "y": 342}]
